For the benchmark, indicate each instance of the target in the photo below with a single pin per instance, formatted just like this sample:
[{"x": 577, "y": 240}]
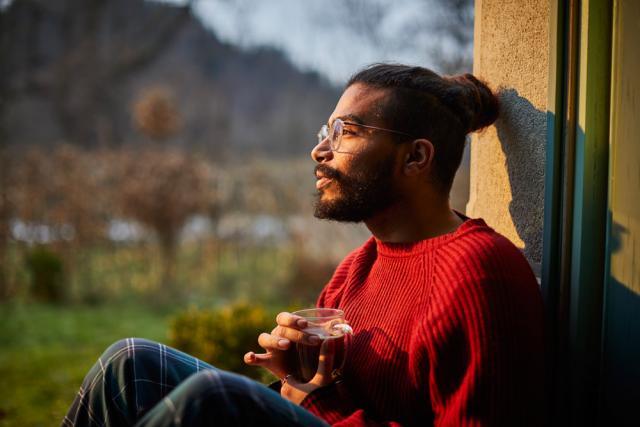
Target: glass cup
[{"x": 327, "y": 324}]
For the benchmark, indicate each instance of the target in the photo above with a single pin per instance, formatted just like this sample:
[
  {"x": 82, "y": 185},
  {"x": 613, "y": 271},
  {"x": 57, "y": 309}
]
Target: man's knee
[{"x": 128, "y": 350}]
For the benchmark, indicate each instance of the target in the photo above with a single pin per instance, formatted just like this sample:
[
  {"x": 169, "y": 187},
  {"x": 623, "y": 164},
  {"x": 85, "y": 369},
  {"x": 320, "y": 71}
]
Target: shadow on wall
[
  {"x": 522, "y": 134},
  {"x": 621, "y": 352}
]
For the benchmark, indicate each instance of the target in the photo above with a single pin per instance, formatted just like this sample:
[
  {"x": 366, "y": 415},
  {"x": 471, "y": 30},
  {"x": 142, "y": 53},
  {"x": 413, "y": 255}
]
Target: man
[{"x": 447, "y": 314}]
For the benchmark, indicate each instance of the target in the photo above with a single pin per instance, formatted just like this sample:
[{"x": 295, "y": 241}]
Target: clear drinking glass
[{"x": 326, "y": 323}]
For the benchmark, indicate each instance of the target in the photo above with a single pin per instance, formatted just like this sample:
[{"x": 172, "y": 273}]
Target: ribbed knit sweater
[{"x": 448, "y": 331}]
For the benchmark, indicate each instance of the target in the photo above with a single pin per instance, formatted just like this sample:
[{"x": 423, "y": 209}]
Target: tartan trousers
[{"x": 144, "y": 383}]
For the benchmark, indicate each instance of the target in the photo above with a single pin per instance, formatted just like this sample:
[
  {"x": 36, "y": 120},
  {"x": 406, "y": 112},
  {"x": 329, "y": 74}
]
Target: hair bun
[{"x": 475, "y": 103}]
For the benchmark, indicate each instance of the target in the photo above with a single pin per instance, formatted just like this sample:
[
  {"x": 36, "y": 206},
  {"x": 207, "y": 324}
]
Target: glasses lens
[
  {"x": 323, "y": 133},
  {"x": 336, "y": 134}
]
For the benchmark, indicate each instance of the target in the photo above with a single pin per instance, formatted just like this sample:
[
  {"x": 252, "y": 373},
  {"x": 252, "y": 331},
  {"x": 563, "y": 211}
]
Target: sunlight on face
[{"x": 356, "y": 184}]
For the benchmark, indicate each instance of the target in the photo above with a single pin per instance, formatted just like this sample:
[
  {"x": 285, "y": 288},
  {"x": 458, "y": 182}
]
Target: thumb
[{"x": 265, "y": 360}]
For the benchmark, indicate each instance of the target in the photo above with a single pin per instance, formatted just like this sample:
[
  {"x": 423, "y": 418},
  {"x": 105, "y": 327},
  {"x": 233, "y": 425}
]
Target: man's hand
[
  {"x": 290, "y": 328},
  {"x": 295, "y": 391}
]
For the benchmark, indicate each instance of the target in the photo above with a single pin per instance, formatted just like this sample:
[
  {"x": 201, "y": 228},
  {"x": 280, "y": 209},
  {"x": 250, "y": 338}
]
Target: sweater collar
[{"x": 421, "y": 246}]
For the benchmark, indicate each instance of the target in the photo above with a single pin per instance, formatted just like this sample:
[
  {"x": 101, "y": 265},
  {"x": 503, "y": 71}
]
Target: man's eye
[{"x": 348, "y": 132}]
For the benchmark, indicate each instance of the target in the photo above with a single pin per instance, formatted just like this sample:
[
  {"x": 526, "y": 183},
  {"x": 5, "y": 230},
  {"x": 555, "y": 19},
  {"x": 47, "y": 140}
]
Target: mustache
[{"x": 328, "y": 172}]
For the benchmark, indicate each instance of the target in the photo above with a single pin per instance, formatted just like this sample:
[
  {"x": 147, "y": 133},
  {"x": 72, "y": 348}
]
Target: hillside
[{"x": 73, "y": 69}]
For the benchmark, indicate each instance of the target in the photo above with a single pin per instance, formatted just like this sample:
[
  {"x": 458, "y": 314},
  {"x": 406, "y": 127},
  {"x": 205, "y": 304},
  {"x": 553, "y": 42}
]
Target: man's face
[{"x": 356, "y": 182}]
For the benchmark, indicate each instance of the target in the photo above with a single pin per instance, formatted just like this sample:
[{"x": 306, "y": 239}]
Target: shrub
[
  {"x": 222, "y": 337},
  {"x": 46, "y": 271}
]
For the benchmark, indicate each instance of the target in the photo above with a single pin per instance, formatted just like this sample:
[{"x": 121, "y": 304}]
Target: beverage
[
  {"x": 304, "y": 358},
  {"x": 327, "y": 324}
]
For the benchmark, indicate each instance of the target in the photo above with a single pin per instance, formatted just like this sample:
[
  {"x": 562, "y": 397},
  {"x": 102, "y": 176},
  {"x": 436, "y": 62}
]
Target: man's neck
[{"x": 407, "y": 222}]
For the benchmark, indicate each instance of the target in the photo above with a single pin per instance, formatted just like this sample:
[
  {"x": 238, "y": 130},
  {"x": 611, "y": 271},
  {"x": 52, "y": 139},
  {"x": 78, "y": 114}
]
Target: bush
[
  {"x": 46, "y": 271},
  {"x": 222, "y": 337}
]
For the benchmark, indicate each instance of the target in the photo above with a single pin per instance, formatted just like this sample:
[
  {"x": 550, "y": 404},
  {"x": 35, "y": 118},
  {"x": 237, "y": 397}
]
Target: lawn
[{"x": 46, "y": 350}]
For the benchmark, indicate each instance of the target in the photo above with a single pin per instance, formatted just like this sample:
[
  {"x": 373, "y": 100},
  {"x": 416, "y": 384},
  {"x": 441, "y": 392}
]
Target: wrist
[{"x": 294, "y": 391}]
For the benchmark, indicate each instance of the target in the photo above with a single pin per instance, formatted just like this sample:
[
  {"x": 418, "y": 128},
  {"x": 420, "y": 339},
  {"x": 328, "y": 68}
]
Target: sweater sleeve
[
  {"x": 485, "y": 343},
  {"x": 334, "y": 404}
]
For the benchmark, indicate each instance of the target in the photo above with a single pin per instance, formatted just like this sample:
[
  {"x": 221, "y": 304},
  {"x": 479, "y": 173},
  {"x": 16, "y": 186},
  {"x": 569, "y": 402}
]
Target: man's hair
[{"x": 442, "y": 109}]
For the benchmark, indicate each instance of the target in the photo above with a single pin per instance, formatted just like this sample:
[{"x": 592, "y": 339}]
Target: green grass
[{"x": 45, "y": 351}]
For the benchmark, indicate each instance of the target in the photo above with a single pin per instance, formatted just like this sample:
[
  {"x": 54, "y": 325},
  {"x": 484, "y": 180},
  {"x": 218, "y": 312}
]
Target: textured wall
[{"x": 511, "y": 53}]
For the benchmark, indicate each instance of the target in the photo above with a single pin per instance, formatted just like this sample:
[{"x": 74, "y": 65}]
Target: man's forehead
[{"x": 362, "y": 102}]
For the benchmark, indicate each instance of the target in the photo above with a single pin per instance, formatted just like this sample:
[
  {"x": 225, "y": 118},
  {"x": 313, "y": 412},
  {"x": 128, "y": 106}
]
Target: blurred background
[{"x": 155, "y": 177}]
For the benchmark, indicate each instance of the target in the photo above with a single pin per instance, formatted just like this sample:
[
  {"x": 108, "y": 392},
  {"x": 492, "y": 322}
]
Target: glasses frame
[{"x": 328, "y": 132}]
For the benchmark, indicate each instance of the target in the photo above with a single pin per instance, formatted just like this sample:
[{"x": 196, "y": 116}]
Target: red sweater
[{"x": 448, "y": 332}]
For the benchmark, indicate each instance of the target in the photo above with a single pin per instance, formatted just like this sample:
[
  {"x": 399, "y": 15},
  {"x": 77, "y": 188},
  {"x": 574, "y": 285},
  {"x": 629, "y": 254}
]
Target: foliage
[
  {"x": 86, "y": 51},
  {"x": 47, "y": 350},
  {"x": 47, "y": 275},
  {"x": 62, "y": 189},
  {"x": 162, "y": 189},
  {"x": 6, "y": 168},
  {"x": 71, "y": 200},
  {"x": 68, "y": 198},
  {"x": 156, "y": 114},
  {"x": 206, "y": 272},
  {"x": 221, "y": 337}
]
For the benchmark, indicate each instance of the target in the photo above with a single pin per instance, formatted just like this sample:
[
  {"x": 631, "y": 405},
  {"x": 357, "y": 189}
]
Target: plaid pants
[{"x": 143, "y": 383}]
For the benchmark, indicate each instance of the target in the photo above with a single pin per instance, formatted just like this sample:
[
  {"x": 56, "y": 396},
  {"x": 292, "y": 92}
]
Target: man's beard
[{"x": 361, "y": 194}]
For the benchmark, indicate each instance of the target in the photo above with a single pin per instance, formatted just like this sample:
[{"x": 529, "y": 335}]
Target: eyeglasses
[{"x": 337, "y": 129}]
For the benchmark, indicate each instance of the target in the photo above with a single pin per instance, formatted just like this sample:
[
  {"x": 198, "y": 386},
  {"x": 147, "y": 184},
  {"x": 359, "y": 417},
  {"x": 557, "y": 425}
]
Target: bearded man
[{"x": 447, "y": 313}]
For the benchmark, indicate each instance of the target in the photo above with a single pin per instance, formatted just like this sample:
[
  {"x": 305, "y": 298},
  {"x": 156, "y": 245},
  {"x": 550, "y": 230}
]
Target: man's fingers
[
  {"x": 296, "y": 335},
  {"x": 273, "y": 342},
  {"x": 261, "y": 359},
  {"x": 289, "y": 320}
]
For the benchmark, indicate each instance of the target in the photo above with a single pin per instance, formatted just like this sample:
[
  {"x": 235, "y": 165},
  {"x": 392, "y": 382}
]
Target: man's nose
[{"x": 322, "y": 151}]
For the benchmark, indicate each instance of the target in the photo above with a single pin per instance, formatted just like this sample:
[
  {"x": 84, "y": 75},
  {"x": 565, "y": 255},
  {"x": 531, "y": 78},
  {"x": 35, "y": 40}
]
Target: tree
[
  {"x": 74, "y": 53},
  {"x": 162, "y": 189},
  {"x": 61, "y": 189}
]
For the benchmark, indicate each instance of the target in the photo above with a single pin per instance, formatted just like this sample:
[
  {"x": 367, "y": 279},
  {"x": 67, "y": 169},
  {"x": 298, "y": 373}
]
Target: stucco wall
[{"x": 511, "y": 53}]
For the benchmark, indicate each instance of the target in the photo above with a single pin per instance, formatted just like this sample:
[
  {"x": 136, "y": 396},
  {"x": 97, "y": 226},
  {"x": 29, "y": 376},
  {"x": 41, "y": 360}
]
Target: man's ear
[{"x": 419, "y": 157}]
